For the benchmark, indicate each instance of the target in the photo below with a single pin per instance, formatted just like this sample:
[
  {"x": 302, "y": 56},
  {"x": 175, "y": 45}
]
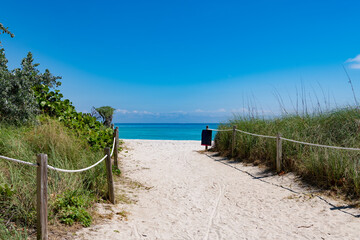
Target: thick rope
[
  {"x": 78, "y": 170},
  {"x": 18, "y": 161},
  {"x": 257, "y": 135},
  {"x": 83, "y": 169},
  {"x": 59, "y": 169},
  {"x": 220, "y": 130},
  {"x": 113, "y": 147},
  {"x": 319, "y": 145},
  {"x": 290, "y": 140}
]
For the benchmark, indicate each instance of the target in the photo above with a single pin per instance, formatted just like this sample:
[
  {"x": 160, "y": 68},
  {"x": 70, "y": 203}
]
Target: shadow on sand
[{"x": 261, "y": 176}]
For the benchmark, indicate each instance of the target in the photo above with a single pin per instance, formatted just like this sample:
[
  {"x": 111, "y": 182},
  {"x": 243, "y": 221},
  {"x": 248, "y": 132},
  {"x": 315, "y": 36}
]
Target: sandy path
[{"x": 195, "y": 196}]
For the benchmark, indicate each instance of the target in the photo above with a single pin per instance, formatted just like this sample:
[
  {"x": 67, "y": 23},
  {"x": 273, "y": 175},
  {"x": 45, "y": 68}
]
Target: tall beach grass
[
  {"x": 18, "y": 182},
  {"x": 326, "y": 168}
]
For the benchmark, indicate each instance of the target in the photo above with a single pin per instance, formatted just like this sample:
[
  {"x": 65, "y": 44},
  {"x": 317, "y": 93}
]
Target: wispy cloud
[
  {"x": 124, "y": 111},
  {"x": 179, "y": 116},
  {"x": 171, "y": 116},
  {"x": 354, "y": 62},
  {"x": 221, "y": 112}
]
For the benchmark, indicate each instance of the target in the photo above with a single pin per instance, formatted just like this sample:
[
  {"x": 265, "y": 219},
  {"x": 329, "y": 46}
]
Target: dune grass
[
  {"x": 326, "y": 168},
  {"x": 18, "y": 182}
]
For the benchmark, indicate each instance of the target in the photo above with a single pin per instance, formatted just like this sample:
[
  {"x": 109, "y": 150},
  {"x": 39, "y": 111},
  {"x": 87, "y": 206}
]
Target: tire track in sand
[{"x": 215, "y": 211}]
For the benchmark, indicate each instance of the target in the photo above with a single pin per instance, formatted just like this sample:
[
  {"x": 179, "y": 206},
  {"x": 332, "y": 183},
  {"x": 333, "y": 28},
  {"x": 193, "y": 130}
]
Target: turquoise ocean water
[{"x": 163, "y": 131}]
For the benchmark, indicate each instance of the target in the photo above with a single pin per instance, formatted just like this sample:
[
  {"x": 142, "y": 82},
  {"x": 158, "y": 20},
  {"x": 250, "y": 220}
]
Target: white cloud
[
  {"x": 122, "y": 111},
  {"x": 354, "y": 62}
]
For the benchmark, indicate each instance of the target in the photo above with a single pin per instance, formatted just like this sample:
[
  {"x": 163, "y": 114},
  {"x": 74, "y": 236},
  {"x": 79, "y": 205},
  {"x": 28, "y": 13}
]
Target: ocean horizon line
[{"x": 163, "y": 131}]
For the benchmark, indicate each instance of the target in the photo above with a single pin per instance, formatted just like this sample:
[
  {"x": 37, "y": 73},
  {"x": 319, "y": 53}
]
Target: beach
[{"x": 186, "y": 193}]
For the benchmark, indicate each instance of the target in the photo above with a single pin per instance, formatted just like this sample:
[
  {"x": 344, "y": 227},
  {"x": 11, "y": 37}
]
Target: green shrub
[
  {"x": 17, "y": 99},
  {"x": 71, "y": 207},
  {"x": 84, "y": 125},
  {"x": 26, "y": 92},
  {"x": 65, "y": 150},
  {"x": 71, "y": 139}
]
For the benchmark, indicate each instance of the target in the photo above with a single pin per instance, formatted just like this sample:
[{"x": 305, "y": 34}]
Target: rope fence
[
  {"x": 257, "y": 135},
  {"x": 287, "y": 139},
  {"x": 83, "y": 169},
  {"x": 320, "y": 145},
  {"x": 78, "y": 170},
  {"x": 18, "y": 161},
  {"x": 42, "y": 166},
  {"x": 279, "y": 139}
]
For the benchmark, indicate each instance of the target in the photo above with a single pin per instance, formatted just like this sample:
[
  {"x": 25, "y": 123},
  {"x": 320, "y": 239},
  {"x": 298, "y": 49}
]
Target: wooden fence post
[
  {"x": 278, "y": 152},
  {"x": 116, "y": 148},
  {"x": 233, "y": 141},
  {"x": 41, "y": 191},
  {"x": 109, "y": 175},
  {"x": 206, "y": 147}
]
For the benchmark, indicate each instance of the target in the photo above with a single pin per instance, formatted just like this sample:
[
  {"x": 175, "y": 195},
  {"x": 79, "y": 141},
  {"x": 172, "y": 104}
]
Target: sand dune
[{"x": 190, "y": 195}]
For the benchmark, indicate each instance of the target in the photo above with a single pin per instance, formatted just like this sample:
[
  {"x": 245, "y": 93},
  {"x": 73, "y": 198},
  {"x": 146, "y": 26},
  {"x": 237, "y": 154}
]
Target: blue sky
[{"x": 190, "y": 61}]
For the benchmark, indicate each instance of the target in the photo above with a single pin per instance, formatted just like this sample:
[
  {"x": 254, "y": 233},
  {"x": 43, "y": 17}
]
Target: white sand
[{"x": 195, "y": 196}]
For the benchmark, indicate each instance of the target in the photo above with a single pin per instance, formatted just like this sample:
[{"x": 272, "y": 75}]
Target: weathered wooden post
[
  {"x": 116, "y": 147},
  {"x": 206, "y": 147},
  {"x": 233, "y": 141},
  {"x": 41, "y": 199},
  {"x": 278, "y": 152},
  {"x": 109, "y": 175}
]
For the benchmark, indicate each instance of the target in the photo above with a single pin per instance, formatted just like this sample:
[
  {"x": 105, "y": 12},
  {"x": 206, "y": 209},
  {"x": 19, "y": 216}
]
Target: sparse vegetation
[{"x": 123, "y": 215}]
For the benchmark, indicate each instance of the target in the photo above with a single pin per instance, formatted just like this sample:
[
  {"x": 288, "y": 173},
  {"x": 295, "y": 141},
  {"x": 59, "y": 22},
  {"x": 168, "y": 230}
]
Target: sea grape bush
[
  {"x": 26, "y": 93},
  {"x": 84, "y": 125}
]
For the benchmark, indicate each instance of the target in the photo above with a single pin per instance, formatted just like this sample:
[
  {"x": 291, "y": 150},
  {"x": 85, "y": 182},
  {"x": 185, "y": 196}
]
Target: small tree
[
  {"x": 17, "y": 89},
  {"x": 105, "y": 113},
  {"x": 17, "y": 101}
]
